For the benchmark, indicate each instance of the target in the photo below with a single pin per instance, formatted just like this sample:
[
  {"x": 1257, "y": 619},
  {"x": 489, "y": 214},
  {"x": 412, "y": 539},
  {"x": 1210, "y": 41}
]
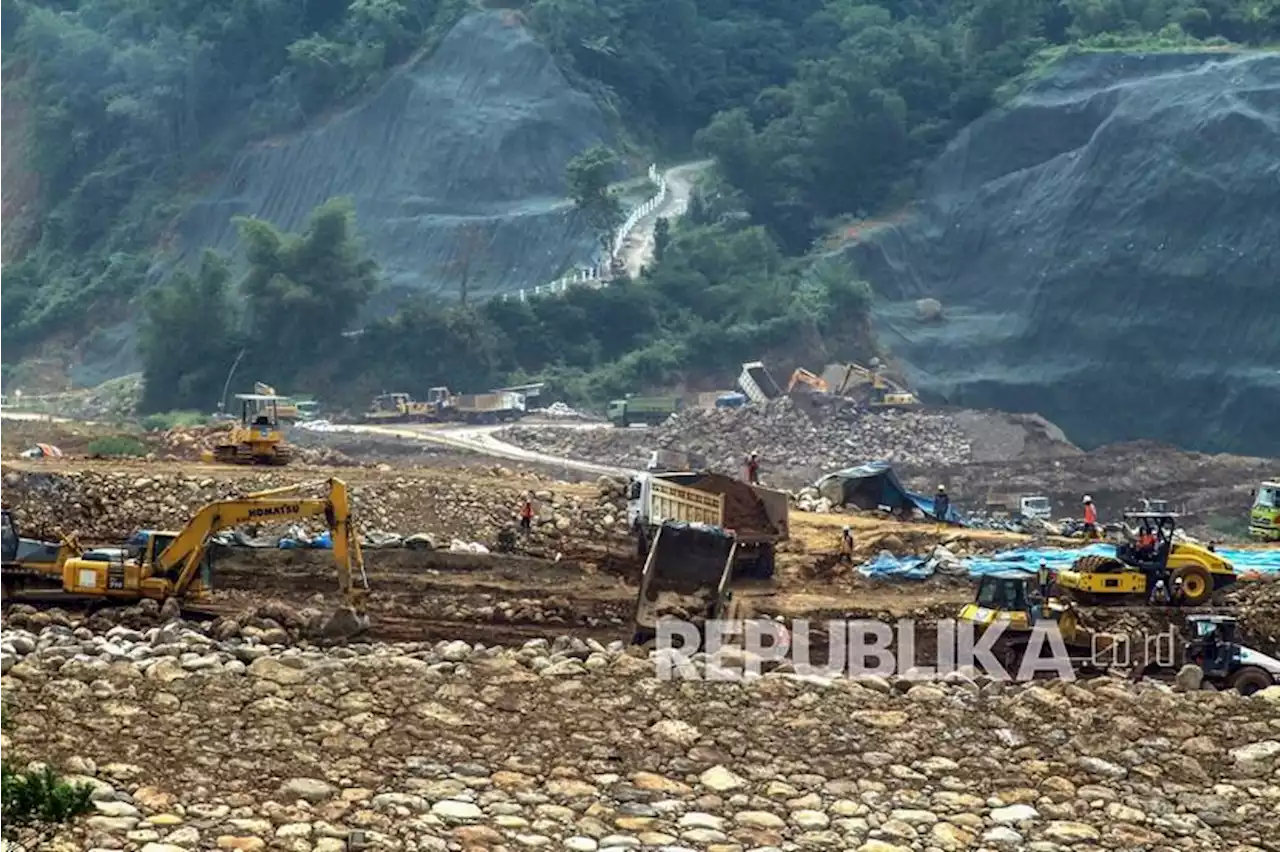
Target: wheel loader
[
  {"x": 1138, "y": 566},
  {"x": 258, "y": 439},
  {"x": 160, "y": 564}
]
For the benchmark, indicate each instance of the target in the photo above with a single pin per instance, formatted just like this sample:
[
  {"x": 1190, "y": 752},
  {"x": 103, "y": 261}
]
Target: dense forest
[{"x": 814, "y": 110}]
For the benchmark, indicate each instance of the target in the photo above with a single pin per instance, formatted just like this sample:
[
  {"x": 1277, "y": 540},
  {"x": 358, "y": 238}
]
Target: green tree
[
  {"x": 189, "y": 339},
  {"x": 303, "y": 290},
  {"x": 589, "y": 175}
]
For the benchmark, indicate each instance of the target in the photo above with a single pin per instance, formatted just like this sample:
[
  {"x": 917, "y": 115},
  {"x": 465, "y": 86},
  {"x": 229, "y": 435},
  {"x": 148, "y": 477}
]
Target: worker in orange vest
[
  {"x": 1090, "y": 516},
  {"x": 526, "y": 517}
]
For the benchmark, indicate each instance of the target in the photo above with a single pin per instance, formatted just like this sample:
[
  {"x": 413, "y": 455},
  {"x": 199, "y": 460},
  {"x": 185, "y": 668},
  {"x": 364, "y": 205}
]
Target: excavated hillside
[
  {"x": 456, "y": 166},
  {"x": 1104, "y": 250}
]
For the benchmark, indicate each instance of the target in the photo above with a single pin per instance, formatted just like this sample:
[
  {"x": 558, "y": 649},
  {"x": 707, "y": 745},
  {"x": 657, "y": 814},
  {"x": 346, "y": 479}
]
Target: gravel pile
[
  {"x": 793, "y": 446},
  {"x": 105, "y": 505},
  {"x": 196, "y": 742}
]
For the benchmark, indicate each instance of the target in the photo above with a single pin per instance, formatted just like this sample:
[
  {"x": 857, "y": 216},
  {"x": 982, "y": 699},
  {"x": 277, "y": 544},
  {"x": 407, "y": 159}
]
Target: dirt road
[
  {"x": 638, "y": 249},
  {"x": 481, "y": 439}
]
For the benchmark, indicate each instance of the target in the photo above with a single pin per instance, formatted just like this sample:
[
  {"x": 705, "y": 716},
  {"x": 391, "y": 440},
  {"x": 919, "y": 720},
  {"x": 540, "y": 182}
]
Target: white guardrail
[{"x": 598, "y": 275}]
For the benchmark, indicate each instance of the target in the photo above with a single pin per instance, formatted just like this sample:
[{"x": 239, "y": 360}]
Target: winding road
[
  {"x": 481, "y": 439},
  {"x": 637, "y": 250}
]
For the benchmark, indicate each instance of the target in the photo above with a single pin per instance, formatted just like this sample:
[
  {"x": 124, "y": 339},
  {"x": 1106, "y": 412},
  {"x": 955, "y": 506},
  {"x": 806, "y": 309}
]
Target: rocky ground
[
  {"x": 799, "y": 440},
  {"x": 196, "y": 742},
  {"x": 107, "y": 500}
]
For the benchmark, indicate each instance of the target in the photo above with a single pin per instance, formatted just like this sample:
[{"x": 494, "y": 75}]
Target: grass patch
[
  {"x": 170, "y": 419},
  {"x": 116, "y": 446},
  {"x": 1043, "y": 61}
]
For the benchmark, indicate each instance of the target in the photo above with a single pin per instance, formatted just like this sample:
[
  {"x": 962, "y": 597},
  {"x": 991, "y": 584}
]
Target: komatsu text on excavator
[{"x": 161, "y": 565}]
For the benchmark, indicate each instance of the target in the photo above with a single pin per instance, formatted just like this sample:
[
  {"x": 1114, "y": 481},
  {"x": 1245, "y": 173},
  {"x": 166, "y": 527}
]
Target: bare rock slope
[
  {"x": 1105, "y": 252},
  {"x": 456, "y": 164}
]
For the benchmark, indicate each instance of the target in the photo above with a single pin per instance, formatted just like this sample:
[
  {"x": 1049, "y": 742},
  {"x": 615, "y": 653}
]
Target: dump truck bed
[{"x": 685, "y": 574}]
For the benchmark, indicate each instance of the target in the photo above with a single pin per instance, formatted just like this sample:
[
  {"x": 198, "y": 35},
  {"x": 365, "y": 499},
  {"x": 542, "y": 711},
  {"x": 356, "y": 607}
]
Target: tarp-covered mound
[
  {"x": 1105, "y": 252},
  {"x": 873, "y": 485}
]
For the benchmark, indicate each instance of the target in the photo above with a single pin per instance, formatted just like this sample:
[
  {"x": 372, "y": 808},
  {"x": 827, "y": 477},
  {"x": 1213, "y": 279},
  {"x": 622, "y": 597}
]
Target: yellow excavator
[
  {"x": 258, "y": 439},
  {"x": 160, "y": 564}
]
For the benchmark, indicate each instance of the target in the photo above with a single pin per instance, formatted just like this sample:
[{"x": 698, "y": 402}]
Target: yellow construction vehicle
[
  {"x": 27, "y": 558},
  {"x": 401, "y": 408},
  {"x": 1008, "y": 600},
  {"x": 163, "y": 564},
  {"x": 1191, "y": 573},
  {"x": 1264, "y": 518},
  {"x": 258, "y": 439},
  {"x": 869, "y": 384},
  {"x": 808, "y": 382}
]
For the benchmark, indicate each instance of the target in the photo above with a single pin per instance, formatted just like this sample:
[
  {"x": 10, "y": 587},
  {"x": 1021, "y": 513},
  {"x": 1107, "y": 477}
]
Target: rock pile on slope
[
  {"x": 110, "y": 505},
  {"x": 790, "y": 443},
  {"x": 249, "y": 744}
]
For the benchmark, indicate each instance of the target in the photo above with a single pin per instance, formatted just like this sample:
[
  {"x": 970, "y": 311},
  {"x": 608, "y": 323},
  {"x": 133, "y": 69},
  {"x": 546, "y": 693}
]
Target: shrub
[{"x": 116, "y": 445}]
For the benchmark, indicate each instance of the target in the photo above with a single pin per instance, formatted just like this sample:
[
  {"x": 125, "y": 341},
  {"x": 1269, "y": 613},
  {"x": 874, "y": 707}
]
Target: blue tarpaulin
[
  {"x": 1264, "y": 561},
  {"x": 872, "y": 485}
]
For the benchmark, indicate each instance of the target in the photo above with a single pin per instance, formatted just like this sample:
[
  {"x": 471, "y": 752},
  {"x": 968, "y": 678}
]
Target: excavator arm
[{"x": 181, "y": 559}]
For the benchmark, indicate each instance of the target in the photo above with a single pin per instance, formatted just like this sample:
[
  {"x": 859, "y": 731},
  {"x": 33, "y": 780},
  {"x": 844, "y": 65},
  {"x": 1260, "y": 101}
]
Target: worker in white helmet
[
  {"x": 846, "y": 546},
  {"x": 1090, "y": 517}
]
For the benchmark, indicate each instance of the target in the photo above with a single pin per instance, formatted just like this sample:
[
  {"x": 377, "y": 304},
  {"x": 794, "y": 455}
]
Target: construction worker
[
  {"x": 753, "y": 468},
  {"x": 1146, "y": 543},
  {"x": 1090, "y": 517},
  {"x": 846, "y": 546},
  {"x": 941, "y": 505},
  {"x": 526, "y": 517},
  {"x": 1045, "y": 580}
]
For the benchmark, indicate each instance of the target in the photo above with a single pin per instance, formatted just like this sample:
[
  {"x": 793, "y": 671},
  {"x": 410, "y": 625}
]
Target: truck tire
[
  {"x": 1197, "y": 585},
  {"x": 1250, "y": 679}
]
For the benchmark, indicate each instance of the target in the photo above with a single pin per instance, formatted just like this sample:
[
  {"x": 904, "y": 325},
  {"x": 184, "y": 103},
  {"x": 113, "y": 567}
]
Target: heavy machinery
[
  {"x": 869, "y": 384},
  {"x": 400, "y": 408},
  {"x": 1226, "y": 663},
  {"x": 495, "y": 407},
  {"x": 1009, "y": 600},
  {"x": 643, "y": 409},
  {"x": 162, "y": 564},
  {"x": 258, "y": 439},
  {"x": 1264, "y": 517},
  {"x": 1134, "y": 571},
  {"x": 757, "y": 517},
  {"x": 807, "y": 382},
  {"x": 757, "y": 383},
  {"x": 28, "y": 557},
  {"x": 688, "y": 572}
]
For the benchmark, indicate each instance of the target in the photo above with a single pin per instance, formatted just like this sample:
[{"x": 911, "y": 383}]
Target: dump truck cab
[{"x": 1264, "y": 517}]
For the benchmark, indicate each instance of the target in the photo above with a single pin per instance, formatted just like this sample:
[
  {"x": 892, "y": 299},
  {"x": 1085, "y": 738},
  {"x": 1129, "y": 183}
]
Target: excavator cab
[{"x": 8, "y": 538}]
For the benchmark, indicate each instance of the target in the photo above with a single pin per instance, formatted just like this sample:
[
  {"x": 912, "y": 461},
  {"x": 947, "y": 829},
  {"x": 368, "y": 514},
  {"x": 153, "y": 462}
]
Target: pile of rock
[
  {"x": 793, "y": 445},
  {"x": 110, "y": 505},
  {"x": 249, "y": 744}
]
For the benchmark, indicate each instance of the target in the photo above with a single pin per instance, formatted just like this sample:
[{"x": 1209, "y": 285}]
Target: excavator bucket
[{"x": 345, "y": 622}]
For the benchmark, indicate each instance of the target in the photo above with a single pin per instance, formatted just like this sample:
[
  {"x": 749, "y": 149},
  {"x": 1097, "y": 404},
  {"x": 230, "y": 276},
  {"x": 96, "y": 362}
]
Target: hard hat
[
  {"x": 1088, "y": 499},
  {"x": 1044, "y": 564},
  {"x": 846, "y": 529},
  {"x": 942, "y": 488}
]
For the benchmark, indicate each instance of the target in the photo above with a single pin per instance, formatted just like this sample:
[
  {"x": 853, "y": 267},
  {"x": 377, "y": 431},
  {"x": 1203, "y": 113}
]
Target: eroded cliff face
[
  {"x": 1106, "y": 251},
  {"x": 456, "y": 167}
]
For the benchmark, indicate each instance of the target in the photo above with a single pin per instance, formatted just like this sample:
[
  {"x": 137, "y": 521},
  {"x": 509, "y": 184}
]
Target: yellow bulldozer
[
  {"x": 160, "y": 564},
  {"x": 258, "y": 438},
  {"x": 1190, "y": 572}
]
